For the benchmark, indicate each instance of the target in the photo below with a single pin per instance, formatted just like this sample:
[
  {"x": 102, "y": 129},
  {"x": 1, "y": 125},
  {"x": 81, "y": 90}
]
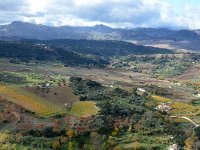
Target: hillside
[
  {"x": 158, "y": 65},
  {"x": 72, "y": 52},
  {"x": 102, "y": 48},
  {"x": 28, "y": 52}
]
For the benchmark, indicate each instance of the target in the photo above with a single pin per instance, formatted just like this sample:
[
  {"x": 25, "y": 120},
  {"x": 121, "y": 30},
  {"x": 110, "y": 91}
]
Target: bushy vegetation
[
  {"x": 196, "y": 102},
  {"x": 197, "y": 131},
  {"x": 9, "y": 77},
  {"x": 81, "y": 86},
  {"x": 122, "y": 113}
]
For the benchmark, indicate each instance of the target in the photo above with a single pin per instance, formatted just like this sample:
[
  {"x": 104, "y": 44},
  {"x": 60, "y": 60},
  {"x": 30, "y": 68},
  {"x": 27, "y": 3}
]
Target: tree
[
  {"x": 97, "y": 140},
  {"x": 70, "y": 133},
  {"x": 117, "y": 148},
  {"x": 197, "y": 131},
  {"x": 70, "y": 146},
  {"x": 56, "y": 145},
  {"x": 115, "y": 131},
  {"x": 136, "y": 146},
  {"x": 63, "y": 140}
]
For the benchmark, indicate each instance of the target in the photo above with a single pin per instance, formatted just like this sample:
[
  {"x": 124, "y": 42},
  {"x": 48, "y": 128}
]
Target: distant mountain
[
  {"x": 32, "y": 31},
  {"x": 197, "y": 31},
  {"x": 176, "y": 39},
  {"x": 42, "y": 32},
  {"x": 98, "y": 32}
]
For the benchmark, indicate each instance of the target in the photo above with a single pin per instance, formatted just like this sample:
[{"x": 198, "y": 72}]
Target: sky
[{"x": 114, "y": 13}]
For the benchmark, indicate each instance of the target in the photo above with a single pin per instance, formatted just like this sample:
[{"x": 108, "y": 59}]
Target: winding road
[{"x": 186, "y": 118}]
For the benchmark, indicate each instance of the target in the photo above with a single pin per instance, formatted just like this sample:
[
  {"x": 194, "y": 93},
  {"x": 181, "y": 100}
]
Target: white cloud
[
  {"x": 117, "y": 13},
  {"x": 37, "y": 6}
]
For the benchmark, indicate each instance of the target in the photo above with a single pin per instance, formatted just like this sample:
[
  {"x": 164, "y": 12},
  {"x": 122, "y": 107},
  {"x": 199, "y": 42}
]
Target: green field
[{"x": 84, "y": 109}]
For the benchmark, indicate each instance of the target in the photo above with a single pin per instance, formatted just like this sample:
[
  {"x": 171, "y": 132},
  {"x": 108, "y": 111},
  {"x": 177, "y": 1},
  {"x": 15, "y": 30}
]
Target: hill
[
  {"x": 72, "y": 52},
  {"x": 28, "y": 52},
  {"x": 101, "y": 48}
]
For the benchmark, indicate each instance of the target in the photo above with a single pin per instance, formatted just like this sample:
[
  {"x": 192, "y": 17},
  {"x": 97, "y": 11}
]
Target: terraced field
[{"x": 29, "y": 101}]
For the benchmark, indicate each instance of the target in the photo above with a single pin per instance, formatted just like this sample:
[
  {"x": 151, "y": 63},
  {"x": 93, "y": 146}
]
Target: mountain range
[{"x": 177, "y": 39}]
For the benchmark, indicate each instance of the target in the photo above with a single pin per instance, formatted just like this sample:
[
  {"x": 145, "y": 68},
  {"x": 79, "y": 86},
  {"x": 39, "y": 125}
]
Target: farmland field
[
  {"x": 84, "y": 109},
  {"x": 58, "y": 95},
  {"x": 29, "y": 101}
]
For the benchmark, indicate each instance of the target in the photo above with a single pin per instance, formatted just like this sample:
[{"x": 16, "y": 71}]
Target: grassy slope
[
  {"x": 29, "y": 101},
  {"x": 84, "y": 109}
]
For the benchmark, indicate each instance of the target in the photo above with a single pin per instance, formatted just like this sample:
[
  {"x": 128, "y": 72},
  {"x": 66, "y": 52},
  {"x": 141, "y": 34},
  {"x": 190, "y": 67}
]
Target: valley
[
  {"x": 99, "y": 75},
  {"x": 99, "y": 94}
]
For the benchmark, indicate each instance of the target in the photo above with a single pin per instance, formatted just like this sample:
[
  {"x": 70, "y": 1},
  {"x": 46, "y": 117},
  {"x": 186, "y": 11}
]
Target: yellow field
[
  {"x": 84, "y": 109},
  {"x": 161, "y": 99},
  {"x": 181, "y": 109},
  {"x": 185, "y": 109},
  {"x": 29, "y": 101}
]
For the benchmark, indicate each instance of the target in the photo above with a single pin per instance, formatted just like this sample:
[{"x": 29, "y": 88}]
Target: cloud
[
  {"x": 12, "y": 10},
  {"x": 10, "y": 5},
  {"x": 116, "y": 13},
  {"x": 190, "y": 17}
]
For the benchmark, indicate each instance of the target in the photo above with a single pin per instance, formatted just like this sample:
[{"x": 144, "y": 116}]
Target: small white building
[
  {"x": 163, "y": 107},
  {"x": 142, "y": 92},
  {"x": 173, "y": 147}
]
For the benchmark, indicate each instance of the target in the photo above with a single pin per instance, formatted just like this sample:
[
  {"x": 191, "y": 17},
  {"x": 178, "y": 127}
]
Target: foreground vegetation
[{"x": 104, "y": 118}]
